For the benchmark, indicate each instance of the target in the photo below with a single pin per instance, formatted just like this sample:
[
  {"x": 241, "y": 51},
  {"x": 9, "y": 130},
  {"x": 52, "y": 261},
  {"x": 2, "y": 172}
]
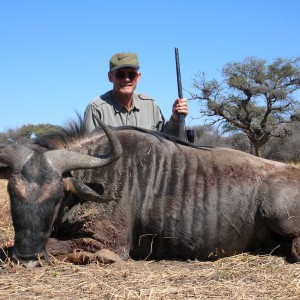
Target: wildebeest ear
[
  {"x": 75, "y": 186},
  {"x": 5, "y": 171}
]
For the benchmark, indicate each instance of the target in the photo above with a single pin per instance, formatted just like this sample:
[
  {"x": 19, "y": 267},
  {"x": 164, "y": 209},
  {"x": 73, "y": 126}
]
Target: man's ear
[
  {"x": 110, "y": 75},
  {"x": 81, "y": 190},
  {"x": 139, "y": 77}
]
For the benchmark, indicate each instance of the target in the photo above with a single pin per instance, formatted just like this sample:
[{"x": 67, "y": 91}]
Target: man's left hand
[{"x": 179, "y": 107}]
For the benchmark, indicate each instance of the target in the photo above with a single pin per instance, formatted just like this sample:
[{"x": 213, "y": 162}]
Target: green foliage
[
  {"x": 26, "y": 133},
  {"x": 43, "y": 129}
]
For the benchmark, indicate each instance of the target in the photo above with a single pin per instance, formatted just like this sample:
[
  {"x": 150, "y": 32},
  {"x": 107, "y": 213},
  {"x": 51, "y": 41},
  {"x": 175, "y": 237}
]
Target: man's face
[{"x": 124, "y": 80}]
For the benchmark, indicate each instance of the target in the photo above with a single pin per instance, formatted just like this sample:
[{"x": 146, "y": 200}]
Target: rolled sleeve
[
  {"x": 90, "y": 118},
  {"x": 171, "y": 127}
]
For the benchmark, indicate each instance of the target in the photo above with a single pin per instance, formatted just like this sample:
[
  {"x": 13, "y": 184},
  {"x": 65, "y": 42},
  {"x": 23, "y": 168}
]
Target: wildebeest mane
[
  {"x": 62, "y": 136},
  {"x": 75, "y": 131}
]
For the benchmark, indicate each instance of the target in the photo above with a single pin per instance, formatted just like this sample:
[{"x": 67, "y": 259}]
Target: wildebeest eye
[{"x": 97, "y": 187}]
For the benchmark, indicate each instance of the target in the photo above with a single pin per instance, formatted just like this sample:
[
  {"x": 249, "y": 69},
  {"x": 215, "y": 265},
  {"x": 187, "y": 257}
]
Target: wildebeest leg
[
  {"x": 281, "y": 208},
  {"x": 92, "y": 227},
  {"x": 75, "y": 251},
  {"x": 296, "y": 249}
]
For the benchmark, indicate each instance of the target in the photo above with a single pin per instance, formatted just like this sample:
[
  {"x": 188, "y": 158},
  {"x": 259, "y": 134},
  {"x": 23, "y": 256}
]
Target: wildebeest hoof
[
  {"x": 296, "y": 249},
  {"x": 103, "y": 256},
  {"x": 106, "y": 256}
]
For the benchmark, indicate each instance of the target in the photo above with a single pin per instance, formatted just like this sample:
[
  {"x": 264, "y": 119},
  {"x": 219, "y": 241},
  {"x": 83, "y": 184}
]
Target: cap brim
[{"x": 124, "y": 66}]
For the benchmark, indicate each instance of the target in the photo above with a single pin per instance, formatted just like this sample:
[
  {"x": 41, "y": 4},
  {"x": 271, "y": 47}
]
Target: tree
[
  {"x": 25, "y": 133},
  {"x": 285, "y": 149},
  {"x": 254, "y": 97}
]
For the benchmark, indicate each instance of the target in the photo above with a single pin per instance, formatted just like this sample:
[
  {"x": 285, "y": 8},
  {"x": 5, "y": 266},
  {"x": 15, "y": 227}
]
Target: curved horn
[
  {"x": 15, "y": 156},
  {"x": 63, "y": 160}
]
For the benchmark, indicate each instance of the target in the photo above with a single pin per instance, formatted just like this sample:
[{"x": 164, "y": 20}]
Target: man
[{"x": 123, "y": 106}]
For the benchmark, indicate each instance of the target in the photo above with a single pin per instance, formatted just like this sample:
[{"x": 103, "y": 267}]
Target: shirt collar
[{"x": 119, "y": 107}]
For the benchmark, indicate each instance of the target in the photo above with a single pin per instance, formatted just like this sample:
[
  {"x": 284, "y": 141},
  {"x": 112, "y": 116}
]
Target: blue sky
[{"x": 54, "y": 53}]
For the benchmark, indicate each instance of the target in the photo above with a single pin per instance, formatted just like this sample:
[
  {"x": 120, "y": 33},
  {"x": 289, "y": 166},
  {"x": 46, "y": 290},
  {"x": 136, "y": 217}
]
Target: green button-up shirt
[{"x": 144, "y": 113}]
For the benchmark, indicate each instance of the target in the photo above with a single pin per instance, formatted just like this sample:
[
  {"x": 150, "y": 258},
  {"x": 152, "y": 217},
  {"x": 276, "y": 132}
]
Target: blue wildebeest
[{"x": 158, "y": 199}]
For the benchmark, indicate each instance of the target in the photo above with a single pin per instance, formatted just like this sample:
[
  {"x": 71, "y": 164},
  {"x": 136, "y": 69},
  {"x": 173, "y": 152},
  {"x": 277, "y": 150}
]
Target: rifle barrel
[{"x": 181, "y": 117}]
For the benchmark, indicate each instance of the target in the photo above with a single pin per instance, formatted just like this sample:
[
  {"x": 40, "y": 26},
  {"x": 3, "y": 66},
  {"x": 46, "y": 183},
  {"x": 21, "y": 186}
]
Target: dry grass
[
  {"x": 6, "y": 229},
  {"x": 240, "y": 277},
  {"x": 243, "y": 276},
  {"x": 294, "y": 163}
]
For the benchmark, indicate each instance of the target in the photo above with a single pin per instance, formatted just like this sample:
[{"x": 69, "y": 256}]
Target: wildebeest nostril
[{"x": 29, "y": 260}]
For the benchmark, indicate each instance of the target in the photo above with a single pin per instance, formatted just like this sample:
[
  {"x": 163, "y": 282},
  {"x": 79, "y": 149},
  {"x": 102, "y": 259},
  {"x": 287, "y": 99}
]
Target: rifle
[
  {"x": 190, "y": 133},
  {"x": 181, "y": 117}
]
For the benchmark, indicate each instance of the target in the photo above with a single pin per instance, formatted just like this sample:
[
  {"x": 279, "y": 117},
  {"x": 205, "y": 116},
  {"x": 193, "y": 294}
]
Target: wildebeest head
[{"x": 37, "y": 182}]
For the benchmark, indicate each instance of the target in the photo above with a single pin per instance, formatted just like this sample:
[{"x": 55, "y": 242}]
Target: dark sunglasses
[{"x": 120, "y": 75}]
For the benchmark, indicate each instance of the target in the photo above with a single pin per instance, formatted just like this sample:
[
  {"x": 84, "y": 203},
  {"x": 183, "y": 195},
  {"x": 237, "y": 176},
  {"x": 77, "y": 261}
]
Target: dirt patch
[{"x": 243, "y": 276}]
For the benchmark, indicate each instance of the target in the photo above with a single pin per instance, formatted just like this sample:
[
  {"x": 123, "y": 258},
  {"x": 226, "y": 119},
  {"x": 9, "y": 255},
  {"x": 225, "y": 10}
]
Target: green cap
[{"x": 123, "y": 60}]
